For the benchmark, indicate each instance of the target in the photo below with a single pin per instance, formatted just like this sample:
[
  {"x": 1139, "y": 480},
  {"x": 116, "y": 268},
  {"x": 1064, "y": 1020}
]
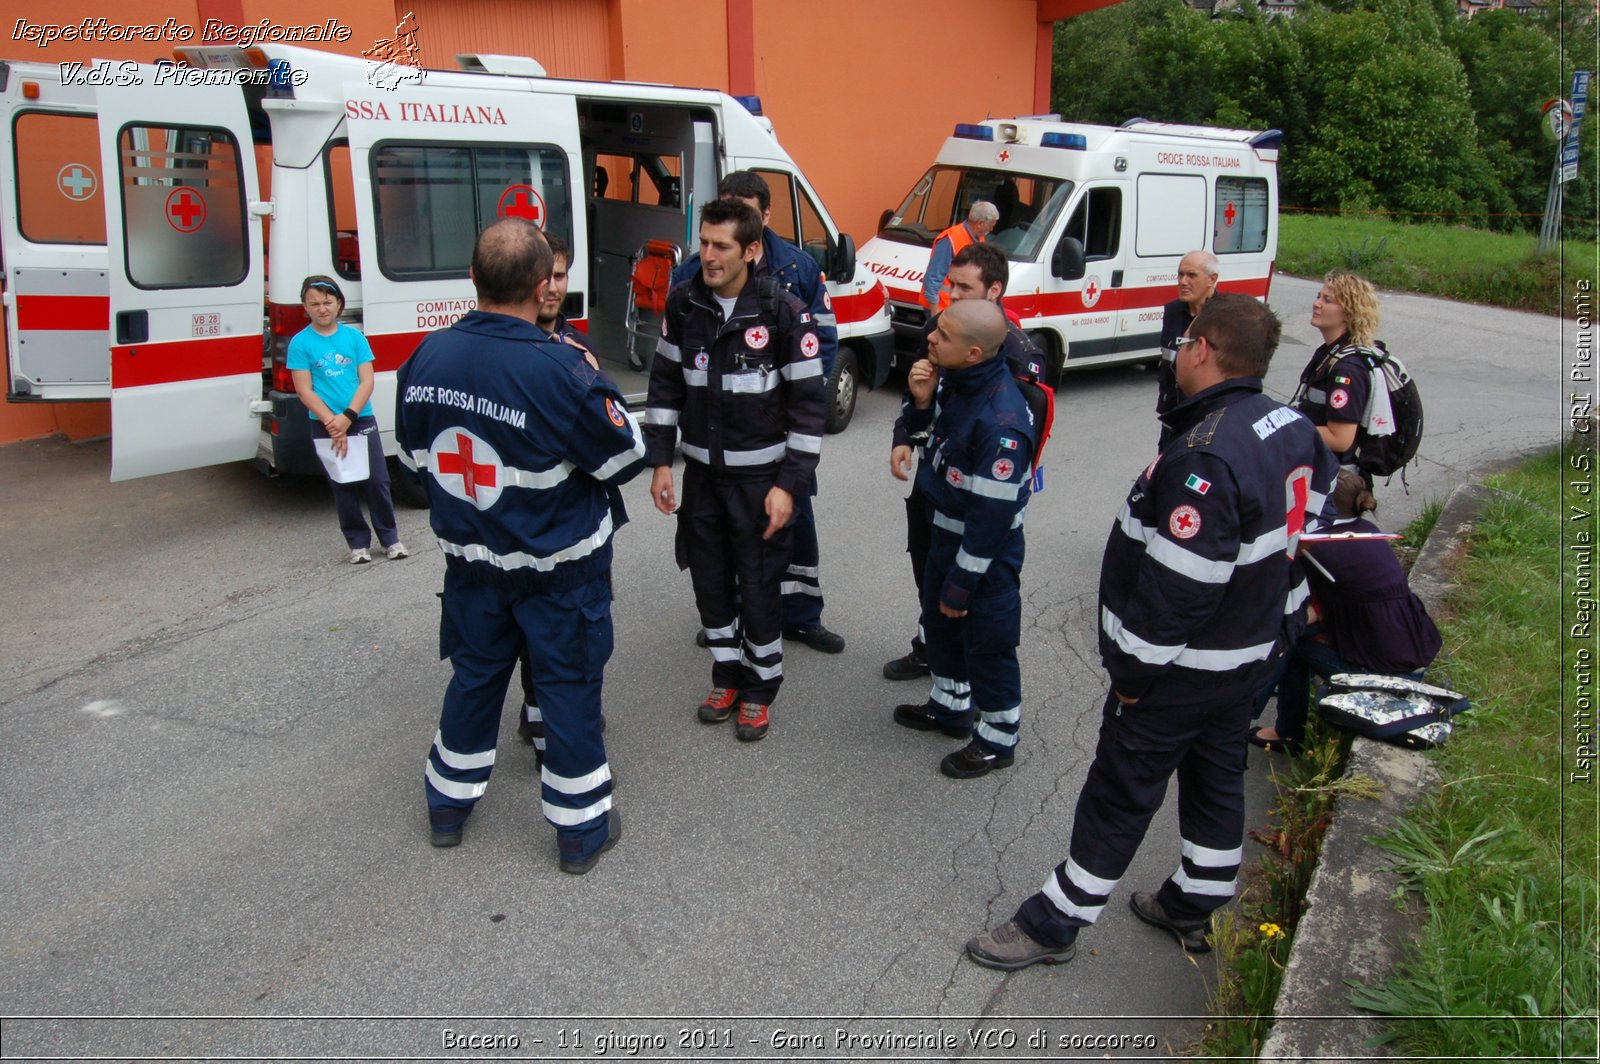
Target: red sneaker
[
  {"x": 718, "y": 706},
  {"x": 752, "y": 723}
]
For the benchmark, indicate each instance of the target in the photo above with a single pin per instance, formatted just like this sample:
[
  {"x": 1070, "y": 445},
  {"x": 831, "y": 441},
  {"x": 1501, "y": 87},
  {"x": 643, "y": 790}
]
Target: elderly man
[
  {"x": 947, "y": 245},
  {"x": 1197, "y": 282}
]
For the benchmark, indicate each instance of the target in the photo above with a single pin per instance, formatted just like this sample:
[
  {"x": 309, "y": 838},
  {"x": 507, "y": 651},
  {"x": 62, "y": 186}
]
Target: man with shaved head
[{"x": 976, "y": 482}]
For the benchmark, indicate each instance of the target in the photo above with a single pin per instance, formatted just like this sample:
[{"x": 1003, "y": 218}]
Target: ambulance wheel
[
  {"x": 406, "y": 487},
  {"x": 842, "y": 390},
  {"x": 1054, "y": 362}
]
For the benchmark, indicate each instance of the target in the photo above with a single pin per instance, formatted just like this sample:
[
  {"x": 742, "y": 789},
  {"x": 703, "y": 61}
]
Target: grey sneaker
[
  {"x": 396, "y": 550},
  {"x": 1008, "y": 948},
  {"x": 1147, "y": 908},
  {"x": 360, "y": 556}
]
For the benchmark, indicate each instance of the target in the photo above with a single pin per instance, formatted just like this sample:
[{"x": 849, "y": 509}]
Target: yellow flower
[{"x": 1271, "y": 930}]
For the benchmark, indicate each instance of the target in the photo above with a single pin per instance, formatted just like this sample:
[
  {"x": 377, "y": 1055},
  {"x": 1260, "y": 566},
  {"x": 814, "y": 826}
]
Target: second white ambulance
[{"x": 1093, "y": 220}]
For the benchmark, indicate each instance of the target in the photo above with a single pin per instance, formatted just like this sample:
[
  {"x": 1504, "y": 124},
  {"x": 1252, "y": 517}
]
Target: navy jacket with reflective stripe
[
  {"x": 975, "y": 473},
  {"x": 522, "y": 446},
  {"x": 747, "y": 394},
  {"x": 1198, "y": 586}
]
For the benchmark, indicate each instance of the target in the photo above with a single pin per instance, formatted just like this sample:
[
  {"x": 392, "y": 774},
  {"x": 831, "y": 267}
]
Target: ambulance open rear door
[{"x": 186, "y": 275}]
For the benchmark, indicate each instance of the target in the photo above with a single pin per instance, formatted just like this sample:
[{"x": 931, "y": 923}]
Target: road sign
[{"x": 1569, "y": 149}]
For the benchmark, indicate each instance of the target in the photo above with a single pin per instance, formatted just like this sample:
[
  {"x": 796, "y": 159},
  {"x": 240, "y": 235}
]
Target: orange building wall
[{"x": 863, "y": 94}]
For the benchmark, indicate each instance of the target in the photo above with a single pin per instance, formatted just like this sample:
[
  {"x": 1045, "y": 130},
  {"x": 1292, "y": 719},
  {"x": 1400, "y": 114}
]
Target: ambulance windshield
[{"x": 1028, "y": 206}]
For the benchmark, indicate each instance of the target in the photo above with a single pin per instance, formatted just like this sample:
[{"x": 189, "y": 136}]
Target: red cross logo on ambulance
[
  {"x": 186, "y": 210},
  {"x": 76, "y": 182},
  {"x": 1091, "y": 290},
  {"x": 522, "y": 201},
  {"x": 756, "y": 338},
  {"x": 467, "y": 467}
]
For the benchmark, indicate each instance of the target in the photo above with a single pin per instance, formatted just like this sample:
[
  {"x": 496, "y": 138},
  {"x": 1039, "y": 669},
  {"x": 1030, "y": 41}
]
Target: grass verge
[
  {"x": 1498, "y": 269},
  {"x": 1502, "y": 859}
]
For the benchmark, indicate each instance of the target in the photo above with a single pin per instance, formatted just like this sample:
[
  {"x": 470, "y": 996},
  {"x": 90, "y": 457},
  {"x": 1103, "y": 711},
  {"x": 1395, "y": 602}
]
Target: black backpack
[
  {"x": 1386, "y": 455},
  {"x": 1040, "y": 397}
]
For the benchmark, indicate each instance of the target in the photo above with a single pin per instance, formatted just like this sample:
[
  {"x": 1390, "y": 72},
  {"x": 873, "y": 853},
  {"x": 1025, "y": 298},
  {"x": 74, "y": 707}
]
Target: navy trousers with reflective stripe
[
  {"x": 1140, "y": 748},
  {"x": 979, "y": 649},
  {"x": 737, "y": 577},
  {"x": 482, "y": 630},
  {"x": 802, "y": 594}
]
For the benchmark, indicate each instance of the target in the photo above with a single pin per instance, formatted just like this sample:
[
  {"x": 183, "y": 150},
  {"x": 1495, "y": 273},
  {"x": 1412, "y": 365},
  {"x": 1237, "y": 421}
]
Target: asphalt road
[{"x": 214, "y": 733}]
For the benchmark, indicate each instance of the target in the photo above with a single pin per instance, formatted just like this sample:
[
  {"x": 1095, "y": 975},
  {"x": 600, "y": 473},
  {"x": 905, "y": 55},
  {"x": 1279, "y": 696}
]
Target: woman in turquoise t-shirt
[{"x": 332, "y": 369}]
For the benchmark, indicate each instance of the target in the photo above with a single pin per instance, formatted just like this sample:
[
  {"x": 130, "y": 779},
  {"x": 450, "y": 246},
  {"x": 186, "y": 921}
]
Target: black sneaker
[
  {"x": 1192, "y": 937},
  {"x": 444, "y": 833},
  {"x": 1008, "y": 947},
  {"x": 917, "y": 718},
  {"x": 909, "y": 667},
  {"x": 576, "y": 867},
  {"x": 818, "y": 638},
  {"x": 972, "y": 761}
]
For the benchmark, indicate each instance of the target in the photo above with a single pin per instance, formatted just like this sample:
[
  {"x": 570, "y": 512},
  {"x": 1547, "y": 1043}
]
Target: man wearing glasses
[{"x": 1198, "y": 593}]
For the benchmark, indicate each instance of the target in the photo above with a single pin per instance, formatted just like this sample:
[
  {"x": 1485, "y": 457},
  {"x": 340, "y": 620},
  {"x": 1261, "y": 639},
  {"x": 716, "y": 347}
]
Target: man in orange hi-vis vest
[{"x": 947, "y": 245}]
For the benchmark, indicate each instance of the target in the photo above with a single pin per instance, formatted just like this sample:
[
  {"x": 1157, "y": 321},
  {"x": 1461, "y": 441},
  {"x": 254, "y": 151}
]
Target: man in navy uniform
[
  {"x": 975, "y": 482},
  {"x": 1198, "y": 595},
  {"x": 798, "y": 274},
  {"x": 530, "y": 724},
  {"x": 523, "y": 444},
  {"x": 745, "y": 386}
]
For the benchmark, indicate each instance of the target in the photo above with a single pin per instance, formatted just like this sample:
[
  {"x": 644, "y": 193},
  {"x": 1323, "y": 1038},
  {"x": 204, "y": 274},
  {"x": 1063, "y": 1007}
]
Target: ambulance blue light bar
[
  {"x": 972, "y": 131},
  {"x": 1064, "y": 140},
  {"x": 750, "y": 103}
]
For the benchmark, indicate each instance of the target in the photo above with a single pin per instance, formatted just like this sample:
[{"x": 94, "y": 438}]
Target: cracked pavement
[{"x": 215, "y": 733}]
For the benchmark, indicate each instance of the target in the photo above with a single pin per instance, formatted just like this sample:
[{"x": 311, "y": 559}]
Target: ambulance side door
[
  {"x": 432, "y": 168},
  {"x": 186, "y": 275},
  {"x": 1094, "y": 303}
]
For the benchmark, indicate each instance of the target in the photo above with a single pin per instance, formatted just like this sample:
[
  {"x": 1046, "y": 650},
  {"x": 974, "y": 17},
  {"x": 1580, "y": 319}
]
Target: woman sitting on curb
[{"x": 1364, "y": 618}]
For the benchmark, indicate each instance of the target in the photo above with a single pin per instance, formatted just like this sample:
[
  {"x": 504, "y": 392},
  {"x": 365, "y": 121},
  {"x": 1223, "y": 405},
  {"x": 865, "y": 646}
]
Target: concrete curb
[{"x": 1352, "y": 929}]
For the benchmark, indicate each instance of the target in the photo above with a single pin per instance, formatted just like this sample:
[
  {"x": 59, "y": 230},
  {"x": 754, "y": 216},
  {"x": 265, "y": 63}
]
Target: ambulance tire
[
  {"x": 405, "y": 487},
  {"x": 842, "y": 388},
  {"x": 1055, "y": 362}
]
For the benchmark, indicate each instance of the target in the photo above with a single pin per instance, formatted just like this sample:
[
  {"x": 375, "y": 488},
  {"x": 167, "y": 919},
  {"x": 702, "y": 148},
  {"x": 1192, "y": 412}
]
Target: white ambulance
[
  {"x": 141, "y": 207},
  {"x": 1093, "y": 221}
]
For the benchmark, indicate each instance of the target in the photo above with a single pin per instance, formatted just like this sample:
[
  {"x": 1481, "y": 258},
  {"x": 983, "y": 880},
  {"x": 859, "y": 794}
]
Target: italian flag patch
[{"x": 1198, "y": 485}]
